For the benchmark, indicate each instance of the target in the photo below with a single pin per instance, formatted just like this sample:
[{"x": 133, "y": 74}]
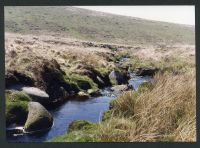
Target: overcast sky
[{"x": 174, "y": 14}]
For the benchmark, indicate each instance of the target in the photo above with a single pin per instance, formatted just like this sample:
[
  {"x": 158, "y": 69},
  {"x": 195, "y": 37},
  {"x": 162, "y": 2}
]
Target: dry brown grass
[
  {"x": 23, "y": 50},
  {"x": 165, "y": 113}
]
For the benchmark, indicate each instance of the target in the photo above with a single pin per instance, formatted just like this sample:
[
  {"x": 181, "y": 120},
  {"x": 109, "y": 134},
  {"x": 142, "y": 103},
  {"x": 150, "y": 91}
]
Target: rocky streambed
[
  {"x": 45, "y": 123},
  {"x": 90, "y": 109}
]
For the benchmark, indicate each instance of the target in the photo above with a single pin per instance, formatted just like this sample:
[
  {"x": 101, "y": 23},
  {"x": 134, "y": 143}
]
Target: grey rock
[
  {"x": 36, "y": 94},
  {"x": 117, "y": 78},
  {"x": 38, "y": 118},
  {"x": 100, "y": 80},
  {"x": 119, "y": 88}
]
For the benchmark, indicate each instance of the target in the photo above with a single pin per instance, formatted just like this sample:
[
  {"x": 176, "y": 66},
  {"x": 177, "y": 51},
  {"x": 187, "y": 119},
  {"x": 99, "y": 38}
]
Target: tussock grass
[
  {"x": 115, "y": 130},
  {"x": 171, "y": 64},
  {"x": 165, "y": 113}
]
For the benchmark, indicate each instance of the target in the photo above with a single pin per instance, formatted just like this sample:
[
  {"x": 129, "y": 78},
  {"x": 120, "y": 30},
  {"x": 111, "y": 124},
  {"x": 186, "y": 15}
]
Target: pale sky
[{"x": 173, "y": 14}]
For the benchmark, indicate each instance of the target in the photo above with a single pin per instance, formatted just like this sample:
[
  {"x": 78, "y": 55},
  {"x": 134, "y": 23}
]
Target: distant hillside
[{"x": 94, "y": 26}]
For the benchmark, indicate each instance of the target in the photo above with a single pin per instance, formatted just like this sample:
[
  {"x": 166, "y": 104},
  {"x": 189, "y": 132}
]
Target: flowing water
[{"x": 90, "y": 110}]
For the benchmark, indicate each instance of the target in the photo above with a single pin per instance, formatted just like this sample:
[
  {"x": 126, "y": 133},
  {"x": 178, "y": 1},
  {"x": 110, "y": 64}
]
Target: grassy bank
[
  {"x": 165, "y": 113},
  {"x": 16, "y": 107},
  {"x": 162, "y": 111},
  {"x": 94, "y": 26},
  {"x": 67, "y": 58}
]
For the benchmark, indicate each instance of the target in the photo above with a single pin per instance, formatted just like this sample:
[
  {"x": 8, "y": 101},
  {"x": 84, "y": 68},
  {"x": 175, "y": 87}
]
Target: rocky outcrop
[
  {"x": 38, "y": 118},
  {"x": 13, "y": 77},
  {"x": 117, "y": 78},
  {"x": 95, "y": 75},
  {"x": 45, "y": 75},
  {"x": 50, "y": 77}
]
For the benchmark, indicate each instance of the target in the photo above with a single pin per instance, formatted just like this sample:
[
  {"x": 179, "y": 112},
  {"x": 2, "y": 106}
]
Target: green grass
[
  {"x": 112, "y": 103},
  {"x": 104, "y": 71},
  {"x": 145, "y": 86},
  {"x": 16, "y": 107},
  {"x": 106, "y": 115},
  {"x": 159, "y": 111},
  {"x": 166, "y": 109},
  {"x": 79, "y": 131},
  {"x": 91, "y": 25},
  {"x": 84, "y": 83},
  {"x": 76, "y": 136},
  {"x": 170, "y": 64},
  {"x": 16, "y": 96},
  {"x": 80, "y": 125}
]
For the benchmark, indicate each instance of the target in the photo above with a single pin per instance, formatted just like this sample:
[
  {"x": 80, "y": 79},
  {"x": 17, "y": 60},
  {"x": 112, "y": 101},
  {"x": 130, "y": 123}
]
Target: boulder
[
  {"x": 38, "y": 118},
  {"x": 119, "y": 88},
  {"x": 117, "y": 78},
  {"x": 62, "y": 94},
  {"x": 95, "y": 75},
  {"x": 146, "y": 71},
  {"x": 37, "y": 94},
  {"x": 50, "y": 77}
]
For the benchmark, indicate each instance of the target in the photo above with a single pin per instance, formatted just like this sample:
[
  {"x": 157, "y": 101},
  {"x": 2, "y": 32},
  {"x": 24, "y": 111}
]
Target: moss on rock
[
  {"x": 79, "y": 131},
  {"x": 81, "y": 82},
  {"x": 15, "y": 96},
  {"x": 104, "y": 71},
  {"x": 16, "y": 107},
  {"x": 80, "y": 125}
]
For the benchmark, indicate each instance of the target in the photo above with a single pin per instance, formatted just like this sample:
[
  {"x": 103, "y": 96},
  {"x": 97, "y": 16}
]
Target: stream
[{"x": 90, "y": 109}]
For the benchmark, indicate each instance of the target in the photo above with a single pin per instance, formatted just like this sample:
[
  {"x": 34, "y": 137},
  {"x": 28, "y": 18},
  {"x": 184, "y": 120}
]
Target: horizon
[{"x": 184, "y": 14}]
